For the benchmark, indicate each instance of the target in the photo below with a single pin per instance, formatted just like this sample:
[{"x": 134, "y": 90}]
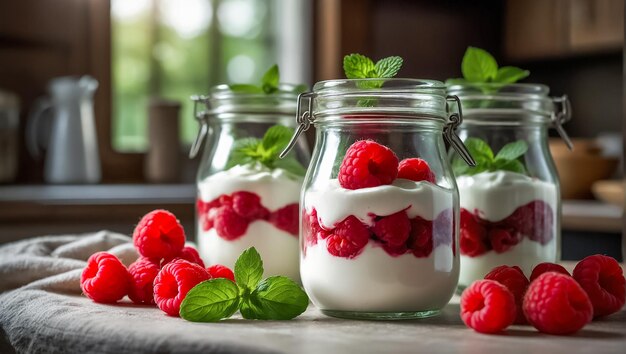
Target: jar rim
[
  {"x": 391, "y": 85},
  {"x": 491, "y": 89},
  {"x": 223, "y": 91}
]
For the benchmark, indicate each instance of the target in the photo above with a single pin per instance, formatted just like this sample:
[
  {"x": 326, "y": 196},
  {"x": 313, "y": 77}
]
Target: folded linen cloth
[{"x": 54, "y": 263}]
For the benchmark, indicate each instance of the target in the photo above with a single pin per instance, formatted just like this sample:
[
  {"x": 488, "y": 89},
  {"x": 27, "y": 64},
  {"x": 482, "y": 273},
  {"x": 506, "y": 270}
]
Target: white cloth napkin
[{"x": 54, "y": 263}]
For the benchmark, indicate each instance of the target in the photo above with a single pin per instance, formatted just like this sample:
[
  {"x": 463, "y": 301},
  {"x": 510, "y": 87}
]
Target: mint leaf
[
  {"x": 300, "y": 88},
  {"x": 275, "y": 298},
  {"x": 269, "y": 82},
  {"x": 510, "y": 74},
  {"x": 479, "y": 149},
  {"x": 505, "y": 160},
  {"x": 248, "y": 269},
  {"x": 210, "y": 301},
  {"x": 478, "y": 65},
  {"x": 512, "y": 151},
  {"x": 266, "y": 151},
  {"x": 276, "y": 137},
  {"x": 245, "y": 88},
  {"x": 509, "y": 165},
  {"x": 290, "y": 164},
  {"x": 357, "y": 66},
  {"x": 388, "y": 67},
  {"x": 244, "y": 151}
]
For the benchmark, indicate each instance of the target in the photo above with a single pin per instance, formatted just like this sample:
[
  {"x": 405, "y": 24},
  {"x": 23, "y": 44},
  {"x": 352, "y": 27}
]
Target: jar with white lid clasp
[
  {"x": 379, "y": 204},
  {"x": 510, "y": 202},
  {"x": 248, "y": 198}
]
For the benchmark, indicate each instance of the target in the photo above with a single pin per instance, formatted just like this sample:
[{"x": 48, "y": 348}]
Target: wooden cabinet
[{"x": 535, "y": 29}]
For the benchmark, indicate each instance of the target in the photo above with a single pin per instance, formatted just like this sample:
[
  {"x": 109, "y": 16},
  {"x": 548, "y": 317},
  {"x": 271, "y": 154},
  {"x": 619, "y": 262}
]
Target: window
[{"x": 175, "y": 48}]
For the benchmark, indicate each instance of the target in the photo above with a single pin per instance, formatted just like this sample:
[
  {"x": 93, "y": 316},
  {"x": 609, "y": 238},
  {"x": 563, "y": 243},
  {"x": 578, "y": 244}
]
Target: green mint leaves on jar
[
  {"x": 478, "y": 66},
  {"x": 266, "y": 151},
  {"x": 507, "y": 159},
  {"x": 274, "y": 298},
  {"x": 358, "y": 66},
  {"x": 270, "y": 83}
]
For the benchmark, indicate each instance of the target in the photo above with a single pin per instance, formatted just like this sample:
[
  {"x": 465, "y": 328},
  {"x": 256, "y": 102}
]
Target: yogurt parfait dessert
[
  {"x": 250, "y": 205},
  {"x": 379, "y": 238},
  {"x": 507, "y": 217}
]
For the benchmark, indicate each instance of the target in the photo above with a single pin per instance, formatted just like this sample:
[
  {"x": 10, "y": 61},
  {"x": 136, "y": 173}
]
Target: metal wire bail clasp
[
  {"x": 562, "y": 114},
  {"x": 304, "y": 120},
  {"x": 201, "y": 117},
  {"x": 449, "y": 131}
]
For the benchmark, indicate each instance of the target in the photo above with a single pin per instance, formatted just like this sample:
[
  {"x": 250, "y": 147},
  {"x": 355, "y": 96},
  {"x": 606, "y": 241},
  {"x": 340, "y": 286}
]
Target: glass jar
[
  {"x": 510, "y": 209},
  {"x": 372, "y": 245},
  {"x": 244, "y": 199}
]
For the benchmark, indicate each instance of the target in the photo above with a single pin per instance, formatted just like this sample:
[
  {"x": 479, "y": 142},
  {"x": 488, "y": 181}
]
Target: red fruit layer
[
  {"x": 395, "y": 233},
  {"x": 230, "y": 214},
  {"x": 534, "y": 220}
]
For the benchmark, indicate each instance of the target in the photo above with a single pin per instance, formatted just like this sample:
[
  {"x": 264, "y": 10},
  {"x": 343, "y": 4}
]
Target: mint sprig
[
  {"x": 270, "y": 83},
  {"x": 266, "y": 151},
  {"x": 507, "y": 159},
  {"x": 358, "y": 66},
  {"x": 478, "y": 66},
  {"x": 275, "y": 298}
]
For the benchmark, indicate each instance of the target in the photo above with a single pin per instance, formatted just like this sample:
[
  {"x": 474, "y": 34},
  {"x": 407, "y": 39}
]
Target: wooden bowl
[
  {"x": 579, "y": 169},
  {"x": 610, "y": 191}
]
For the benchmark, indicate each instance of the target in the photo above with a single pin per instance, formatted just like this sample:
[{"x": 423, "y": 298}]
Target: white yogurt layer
[
  {"x": 276, "y": 188},
  {"x": 334, "y": 203},
  {"x": 496, "y": 195},
  {"x": 526, "y": 255},
  {"x": 376, "y": 282},
  {"x": 278, "y": 249}
]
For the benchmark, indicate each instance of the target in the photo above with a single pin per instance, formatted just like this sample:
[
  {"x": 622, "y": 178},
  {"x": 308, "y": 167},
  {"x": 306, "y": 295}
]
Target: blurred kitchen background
[{"x": 149, "y": 56}]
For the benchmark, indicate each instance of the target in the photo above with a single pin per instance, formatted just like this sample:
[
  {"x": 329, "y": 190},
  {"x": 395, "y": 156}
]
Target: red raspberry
[
  {"x": 367, "y": 164},
  {"x": 421, "y": 237},
  {"x": 554, "y": 303},
  {"x": 220, "y": 271},
  {"x": 534, "y": 220},
  {"x": 514, "y": 280},
  {"x": 203, "y": 209},
  {"x": 286, "y": 218},
  {"x": 228, "y": 224},
  {"x": 105, "y": 279},
  {"x": 312, "y": 230},
  {"x": 547, "y": 267},
  {"x": 189, "y": 254},
  {"x": 142, "y": 273},
  {"x": 502, "y": 240},
  {"x": 173, "y": 283},
  {"x": 415, "y": 169},
  {"x": 473, "y": 236},
  {"x": 603, "y": 280},
  {"x": 249, "y": 206},
  {"x": 225, "y": 199},
  {"x": 348, "y": 238},
  {"x": 159, "y": 235},
  {"x": 393, "y": 229},
  {"x": 487, "y": 306}
]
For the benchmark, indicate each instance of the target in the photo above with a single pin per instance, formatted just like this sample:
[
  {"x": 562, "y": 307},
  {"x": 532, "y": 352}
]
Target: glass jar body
[
  {"x": 383, "y": 252},
  {"x": 244, "y": 204},
  {"x": 509, "y": 217}
]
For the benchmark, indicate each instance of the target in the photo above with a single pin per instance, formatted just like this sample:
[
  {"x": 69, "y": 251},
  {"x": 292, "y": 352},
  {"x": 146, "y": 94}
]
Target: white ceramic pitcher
[{"x": 72, "y": 148}]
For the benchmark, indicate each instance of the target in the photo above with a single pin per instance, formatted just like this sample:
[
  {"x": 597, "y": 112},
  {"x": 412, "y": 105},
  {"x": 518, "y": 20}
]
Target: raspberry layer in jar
[
  {"x": 351, "y": 264},
  {"x": 506, "y": 218},
  {"x": 250, "y": 205}
]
